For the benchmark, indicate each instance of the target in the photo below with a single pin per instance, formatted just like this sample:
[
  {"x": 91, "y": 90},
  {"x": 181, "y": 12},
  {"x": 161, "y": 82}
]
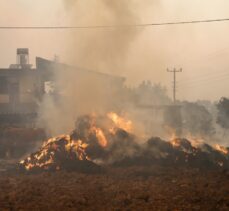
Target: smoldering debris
[
  {"x": 180, "y": 152},
  {"x": 101, "y": 141}
]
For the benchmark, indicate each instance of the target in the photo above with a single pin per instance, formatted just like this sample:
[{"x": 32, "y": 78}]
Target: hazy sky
[{"x": 202, "y": 50}]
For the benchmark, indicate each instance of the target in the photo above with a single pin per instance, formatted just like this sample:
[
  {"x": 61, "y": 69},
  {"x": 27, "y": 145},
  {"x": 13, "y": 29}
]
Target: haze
[{"x": 200, "y": 49}]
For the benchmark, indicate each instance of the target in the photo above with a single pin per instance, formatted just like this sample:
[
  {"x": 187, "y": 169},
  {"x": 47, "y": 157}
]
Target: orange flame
[
  {"x": 221, "y": 149},
  {"x": 120, "y": 122},
  {"x": 101, "y": 137},
  {"x": 175, "y": 142},
  {"x": 46, "y": 155}
]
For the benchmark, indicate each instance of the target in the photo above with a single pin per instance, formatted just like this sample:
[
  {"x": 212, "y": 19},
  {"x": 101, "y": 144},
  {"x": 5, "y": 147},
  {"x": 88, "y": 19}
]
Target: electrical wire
[
  {"x": 204, "y": 82},
  {"x": 203, "y": 78},
  {"x": 116, "y": 26}
]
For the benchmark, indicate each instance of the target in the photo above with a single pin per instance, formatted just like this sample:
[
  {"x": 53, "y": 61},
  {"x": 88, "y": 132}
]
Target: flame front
[
  {"x": 106, "y": 140},
  {"x": 120, "y": 122},
  {"x": 52, "y": 149},
  {"x": 101, "y": 137},
  {"x": 221, "y": 149},
  {"x": 66, "y": 147}
]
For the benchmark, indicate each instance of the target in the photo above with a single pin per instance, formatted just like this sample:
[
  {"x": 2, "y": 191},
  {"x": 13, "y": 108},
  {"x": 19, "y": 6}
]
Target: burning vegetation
[
  {"x": 109, "y": 140},
  {"x": 87, "y": 144}
]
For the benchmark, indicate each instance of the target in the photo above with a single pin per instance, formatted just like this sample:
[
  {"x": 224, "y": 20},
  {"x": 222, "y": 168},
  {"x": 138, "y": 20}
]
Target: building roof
[{"x": 44, "y": 64}]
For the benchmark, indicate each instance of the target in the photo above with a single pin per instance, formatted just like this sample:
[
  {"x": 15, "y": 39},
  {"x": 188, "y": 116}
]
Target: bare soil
[
  {"x": 132, "y": 188},
  {"x": 16, "y": 142}
]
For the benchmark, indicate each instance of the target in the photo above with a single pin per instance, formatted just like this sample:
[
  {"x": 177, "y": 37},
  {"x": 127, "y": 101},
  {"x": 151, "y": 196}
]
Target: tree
[
  {"x": 223, "y": 113},
  {"x": 152, "y": 94},
  {"x": 197, "y": 119}
]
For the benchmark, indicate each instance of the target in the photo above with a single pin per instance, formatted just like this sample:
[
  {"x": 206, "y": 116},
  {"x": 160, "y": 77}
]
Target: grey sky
[{"x": 202, "y": 50}]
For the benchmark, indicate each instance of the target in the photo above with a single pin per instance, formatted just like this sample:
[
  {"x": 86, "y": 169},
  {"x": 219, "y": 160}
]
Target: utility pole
[{"x": 174, "y": 71}]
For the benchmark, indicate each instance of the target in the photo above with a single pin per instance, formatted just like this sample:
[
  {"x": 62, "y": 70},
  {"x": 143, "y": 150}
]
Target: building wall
[
  {"x": 27, "y": 86},
  {"x": 4, "y": 98},
  {"x": 19, "y": 90}
]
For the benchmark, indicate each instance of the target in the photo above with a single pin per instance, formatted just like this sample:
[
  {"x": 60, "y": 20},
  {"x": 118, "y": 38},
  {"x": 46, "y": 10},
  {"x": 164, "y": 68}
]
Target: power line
[
  {"x": 205, "y": 82},
  {"x": 212, "y": 55},
  {"x": 203, "y": 78},
  {"x": 116, "y": 26}
]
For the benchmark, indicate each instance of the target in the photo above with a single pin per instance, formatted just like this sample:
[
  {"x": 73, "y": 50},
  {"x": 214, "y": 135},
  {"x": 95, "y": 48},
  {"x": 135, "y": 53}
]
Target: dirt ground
[
  {"x": 132, "y": 188},
  {"x": 16, "y": 142}
]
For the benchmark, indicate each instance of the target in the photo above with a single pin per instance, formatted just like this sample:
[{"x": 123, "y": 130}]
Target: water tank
[{"x": 23, "y": 56}]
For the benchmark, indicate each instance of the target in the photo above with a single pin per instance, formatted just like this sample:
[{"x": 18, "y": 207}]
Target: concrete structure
[{"x": 22, "y": 87}]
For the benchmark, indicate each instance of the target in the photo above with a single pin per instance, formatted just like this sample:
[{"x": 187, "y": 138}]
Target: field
[{"x": 130, "y": 188}]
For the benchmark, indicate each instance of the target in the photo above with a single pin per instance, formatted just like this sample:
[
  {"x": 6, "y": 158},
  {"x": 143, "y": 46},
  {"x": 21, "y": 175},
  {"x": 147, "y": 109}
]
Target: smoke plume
[
  {"x": 102, "y": 49},
  {"x": 93, "y": 49}
]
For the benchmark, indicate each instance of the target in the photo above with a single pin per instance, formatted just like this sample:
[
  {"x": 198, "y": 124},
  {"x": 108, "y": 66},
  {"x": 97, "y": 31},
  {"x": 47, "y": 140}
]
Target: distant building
[{"x": 22, "y": 87}]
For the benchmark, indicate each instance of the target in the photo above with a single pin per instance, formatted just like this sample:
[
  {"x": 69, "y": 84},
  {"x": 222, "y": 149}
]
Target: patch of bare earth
[{"x": 132, "y": 188}]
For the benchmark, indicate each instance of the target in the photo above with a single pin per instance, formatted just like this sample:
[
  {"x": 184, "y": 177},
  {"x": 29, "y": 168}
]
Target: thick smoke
[
  {"x": 79, "y": 91},
  {"x": 197, "y": 120},
  {"x": 137, "y": 53},
  {"x": 102, "y": 49},
  {"x": 112, "y": 50}
]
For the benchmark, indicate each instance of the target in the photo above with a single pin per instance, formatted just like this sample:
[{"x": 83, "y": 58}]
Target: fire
[
  {"x": 175, "y": 142},
  {"x": 29, "y": 166},
  {"x": 195, "y": 142},
  {"x": 52, "y": 149},
  {"x": 107, "y": 140},
  {"x": 101, "y": 137},
  {"x": 174, "y": 139},
  {"x": 74, "y": 147},
  {"x": 79, "y": 148},
  {"x": 221, "y": 149},
  {"x": 120, "y": 122}
]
